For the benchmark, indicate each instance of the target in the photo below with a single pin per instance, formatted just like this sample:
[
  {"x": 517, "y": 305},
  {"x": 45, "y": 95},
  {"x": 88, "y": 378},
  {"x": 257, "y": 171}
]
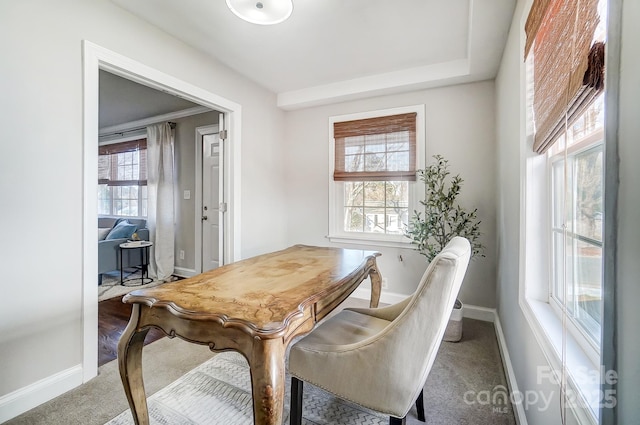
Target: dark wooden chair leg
[
  {"x": 397, "y": 421},
  {"x": 295, "y": 414},
  {"x": 420, "y": 406}
]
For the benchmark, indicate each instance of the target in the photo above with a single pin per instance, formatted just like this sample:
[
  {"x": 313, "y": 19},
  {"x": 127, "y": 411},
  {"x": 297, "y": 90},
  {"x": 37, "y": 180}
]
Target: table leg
[
  {"x": 267, "y": 365},
  {"x": 130, "y": 364},
  {"x": 376, "y": 287}
]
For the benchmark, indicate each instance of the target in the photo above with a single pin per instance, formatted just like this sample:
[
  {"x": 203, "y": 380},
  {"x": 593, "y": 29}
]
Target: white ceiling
[{"x": 333, "y": 50}]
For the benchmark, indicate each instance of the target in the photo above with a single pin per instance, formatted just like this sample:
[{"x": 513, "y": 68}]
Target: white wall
[
  {"x": 41, "y": 171},
  {"x": 525, "y": 352},
  {"x": 460, "y": 125}
]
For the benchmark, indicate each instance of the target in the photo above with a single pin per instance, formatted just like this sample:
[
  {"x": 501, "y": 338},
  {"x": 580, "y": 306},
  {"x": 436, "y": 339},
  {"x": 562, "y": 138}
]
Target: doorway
[{"x": 96, "y": 58}]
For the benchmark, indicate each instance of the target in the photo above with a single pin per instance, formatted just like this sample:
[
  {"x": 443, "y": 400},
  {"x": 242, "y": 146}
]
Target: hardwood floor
[{"x": 113, "y": 316}]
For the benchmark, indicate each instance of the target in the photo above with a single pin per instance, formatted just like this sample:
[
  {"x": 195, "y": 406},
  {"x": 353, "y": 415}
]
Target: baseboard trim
[
  {"x": 519, "y": 413},
  {"x": 385, "y": 297},
  {"x": 183, "y": 272},
  {"x": 479, "y": 313},
  {"x": 26, "y": 398}
]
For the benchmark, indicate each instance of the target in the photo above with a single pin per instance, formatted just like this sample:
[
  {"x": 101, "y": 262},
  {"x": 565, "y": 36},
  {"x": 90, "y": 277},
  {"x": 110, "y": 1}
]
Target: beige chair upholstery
[{"x": 380, "y": 358}]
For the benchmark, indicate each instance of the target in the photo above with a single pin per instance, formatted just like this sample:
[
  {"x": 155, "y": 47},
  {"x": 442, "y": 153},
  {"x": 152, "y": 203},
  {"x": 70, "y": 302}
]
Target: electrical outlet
[
  {"x": 182, "y": 254},
  {"x": 385, "y": 284}
]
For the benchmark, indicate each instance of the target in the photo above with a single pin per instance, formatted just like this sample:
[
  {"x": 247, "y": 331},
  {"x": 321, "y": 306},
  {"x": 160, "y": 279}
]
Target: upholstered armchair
[{"x": 380, "y": 358}]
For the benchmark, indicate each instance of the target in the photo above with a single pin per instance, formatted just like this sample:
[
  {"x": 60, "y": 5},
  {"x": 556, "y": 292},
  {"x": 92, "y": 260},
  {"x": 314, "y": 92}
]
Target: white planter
[{"x": 453, "y": 333}]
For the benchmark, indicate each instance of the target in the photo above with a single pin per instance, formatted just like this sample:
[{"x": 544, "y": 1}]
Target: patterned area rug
[
  {"x": 219, "y": 392},
  {"x": 112, "y": 288}
]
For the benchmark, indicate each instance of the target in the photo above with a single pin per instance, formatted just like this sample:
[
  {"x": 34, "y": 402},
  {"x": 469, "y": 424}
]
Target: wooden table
[{"x": 255, "y": 306}]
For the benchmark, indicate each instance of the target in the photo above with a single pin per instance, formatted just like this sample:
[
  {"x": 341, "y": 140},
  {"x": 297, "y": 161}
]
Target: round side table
[{"x": 143, "y": 246}]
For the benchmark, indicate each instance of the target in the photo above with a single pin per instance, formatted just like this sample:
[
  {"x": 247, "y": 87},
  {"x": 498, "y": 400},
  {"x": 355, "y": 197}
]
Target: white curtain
[{"x": 160, "y": 203}]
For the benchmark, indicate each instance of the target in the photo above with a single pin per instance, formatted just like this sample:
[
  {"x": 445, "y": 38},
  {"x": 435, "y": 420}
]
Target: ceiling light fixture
[{"x": 262, "y": 12}]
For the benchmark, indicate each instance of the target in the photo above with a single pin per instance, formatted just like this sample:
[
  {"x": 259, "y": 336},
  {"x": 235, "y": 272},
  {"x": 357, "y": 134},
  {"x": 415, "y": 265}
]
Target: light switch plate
[{"x": 187, "y": 194}]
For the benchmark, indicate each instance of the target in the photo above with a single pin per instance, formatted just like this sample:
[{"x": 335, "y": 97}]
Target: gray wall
[
  {"x": 185, "y": 144},
  {"x": 459, "y": 124},
  {"x": 41, "y": 169}
]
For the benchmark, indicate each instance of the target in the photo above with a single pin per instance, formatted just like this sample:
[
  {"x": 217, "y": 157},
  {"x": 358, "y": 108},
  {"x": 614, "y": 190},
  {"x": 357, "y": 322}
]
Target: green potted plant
[{"x": 442, "y": 219}]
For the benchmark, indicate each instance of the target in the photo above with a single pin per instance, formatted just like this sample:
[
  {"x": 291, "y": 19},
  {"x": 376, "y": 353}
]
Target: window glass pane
[
  {"x": 353, "y": 163},
  {"x": 396, "y": 220},
  {"x": 570, "y": 250},
  {"x": 374, "y": 194},
  {"x": 398, "y": 161},
  {"x": 557, "y": 183},
  {"x": 375, "y": 162},
  {"x": 558, "y": 265},
  {"x": 353, "y": 219},
  {"x": 354, "y": 144},
  {"x": 374, "y": 220},
  {"x": 143, "y": 206},
  {"x": 398, "y": 141},
  {"x": 397, "y": 194},
  {"x": 588, "y": 288},
  {"x": 375, "y": 143},
  {"x": 353, "y": 194},
  {"x": 589, "y": 206}
]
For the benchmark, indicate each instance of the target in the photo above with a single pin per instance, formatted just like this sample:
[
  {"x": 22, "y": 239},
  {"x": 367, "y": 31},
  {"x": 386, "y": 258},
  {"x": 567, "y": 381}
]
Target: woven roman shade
[
  {"x": 108, "y": 164},
  {"x": 568, "y": 70},
  {"x": 376, "y": 149}
]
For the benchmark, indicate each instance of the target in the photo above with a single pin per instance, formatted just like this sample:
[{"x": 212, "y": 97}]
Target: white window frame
[
  {"x": 577, "y": 332},
  {"x": 336, "y": 188}
]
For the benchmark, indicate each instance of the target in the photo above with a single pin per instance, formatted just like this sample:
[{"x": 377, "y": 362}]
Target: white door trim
[{"x": 95, "y": 58}]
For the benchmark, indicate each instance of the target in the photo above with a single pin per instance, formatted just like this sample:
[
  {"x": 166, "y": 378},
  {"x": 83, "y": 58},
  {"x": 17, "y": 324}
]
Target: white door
[{"x": 213, "y": 205}]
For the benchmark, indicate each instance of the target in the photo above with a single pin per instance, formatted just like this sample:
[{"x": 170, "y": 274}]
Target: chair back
[{"x": 412, "y": 339}]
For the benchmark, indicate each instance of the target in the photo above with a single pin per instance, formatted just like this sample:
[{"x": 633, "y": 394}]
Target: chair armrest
[
  {"x": 143, "y": 234},
  {"x": 388, "y": 313}
]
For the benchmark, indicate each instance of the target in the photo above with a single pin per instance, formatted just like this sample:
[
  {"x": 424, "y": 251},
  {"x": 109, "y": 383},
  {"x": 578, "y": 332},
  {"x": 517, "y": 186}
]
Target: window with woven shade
[
  {"x": 568, "y": 64},
  {"x": 565, "y": 62},
  {"x": 374, "y": 162},
  {"x": 376, "y": 149},
  {"x": 122, "y": 179}
]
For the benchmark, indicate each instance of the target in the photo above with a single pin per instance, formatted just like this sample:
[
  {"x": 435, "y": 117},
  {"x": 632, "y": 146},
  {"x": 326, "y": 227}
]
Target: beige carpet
[
  {"x": 103, "y": 398},
  {"x": 467, "y": 367}
]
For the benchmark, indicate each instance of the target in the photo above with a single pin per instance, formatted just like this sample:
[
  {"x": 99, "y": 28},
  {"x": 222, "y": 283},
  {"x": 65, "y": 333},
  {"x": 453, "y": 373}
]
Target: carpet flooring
[
  {"x": 219, "y": 392},
  {"x": 461, "y": 372}
]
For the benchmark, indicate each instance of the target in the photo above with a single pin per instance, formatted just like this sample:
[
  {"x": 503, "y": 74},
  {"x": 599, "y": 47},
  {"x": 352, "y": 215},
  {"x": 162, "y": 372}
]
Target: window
[
  {"x": 122, "y": 179},
  {"x": 373, "y": 169},
  {"x": 562, "y": 269},
  {"x": 577, "y": 221}
]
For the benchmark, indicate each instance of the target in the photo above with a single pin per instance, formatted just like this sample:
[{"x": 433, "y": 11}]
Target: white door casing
[{"x": 95, "y": 58}]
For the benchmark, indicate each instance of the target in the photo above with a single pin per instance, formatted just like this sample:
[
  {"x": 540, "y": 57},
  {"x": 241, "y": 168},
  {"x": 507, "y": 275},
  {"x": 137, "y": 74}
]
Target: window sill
[
  {"x": 584, "y": 376},
  {"x": 399, "y": 242}
]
